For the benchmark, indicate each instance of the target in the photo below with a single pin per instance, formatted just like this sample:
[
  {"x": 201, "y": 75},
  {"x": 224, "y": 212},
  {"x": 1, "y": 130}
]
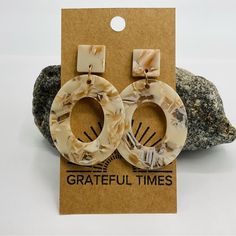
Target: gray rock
[
  {"x": 45, "y": 89},
  {"x": 207, "y": 123}
]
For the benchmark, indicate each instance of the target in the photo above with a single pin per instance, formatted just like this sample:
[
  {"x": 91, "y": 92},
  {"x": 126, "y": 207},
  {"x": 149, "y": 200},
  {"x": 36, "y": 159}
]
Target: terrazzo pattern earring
[
  {"x": 146, "y": 63},
  {"x": 91, "y": 58}
]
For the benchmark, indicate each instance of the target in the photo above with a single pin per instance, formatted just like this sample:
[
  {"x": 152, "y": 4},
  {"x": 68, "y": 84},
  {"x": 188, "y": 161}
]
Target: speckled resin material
[
  {"x": 108, "y": 97},
  {"x": 204, "y": 131},
  {"x": 93, "y": 55},
  {"x": 164, "y": 152},
  {"x": 146, "y": 61}
]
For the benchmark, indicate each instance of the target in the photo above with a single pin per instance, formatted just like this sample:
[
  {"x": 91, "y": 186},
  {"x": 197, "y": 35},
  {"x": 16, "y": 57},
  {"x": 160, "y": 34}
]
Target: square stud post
[
  {"x": 91, "y": 55},
  {"x": 146, "y": 61}
]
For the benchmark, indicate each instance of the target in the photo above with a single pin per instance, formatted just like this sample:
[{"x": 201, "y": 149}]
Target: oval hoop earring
[
  {"x": 90, "y": 59},
  {"x": 152, "y": 90}
]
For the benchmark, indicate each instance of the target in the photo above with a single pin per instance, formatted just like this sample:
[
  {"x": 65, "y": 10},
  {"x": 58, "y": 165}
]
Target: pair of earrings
[{"x": 118, "y": 111}]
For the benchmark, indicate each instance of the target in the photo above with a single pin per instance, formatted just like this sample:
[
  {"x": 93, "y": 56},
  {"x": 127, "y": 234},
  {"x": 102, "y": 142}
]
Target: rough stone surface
[
  {"x": 207, "y": 123},
  {"x": 45, "y": 89}
]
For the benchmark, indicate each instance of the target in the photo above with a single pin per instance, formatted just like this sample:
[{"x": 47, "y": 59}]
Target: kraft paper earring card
[{"x": 114, "y": 185}]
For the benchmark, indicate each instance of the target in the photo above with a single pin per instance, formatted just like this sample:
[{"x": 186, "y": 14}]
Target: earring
[
  {"x": 146, "y": 63},
  {"x": 91, "y": 58}
]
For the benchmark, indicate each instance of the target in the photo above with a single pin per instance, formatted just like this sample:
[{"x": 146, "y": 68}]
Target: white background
[{"x": 29, "y": 167}]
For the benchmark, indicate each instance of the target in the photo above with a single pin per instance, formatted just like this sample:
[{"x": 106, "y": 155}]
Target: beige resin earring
[
  {"x": 146, "y": 63},
  {"x": 91, "y": 58}
]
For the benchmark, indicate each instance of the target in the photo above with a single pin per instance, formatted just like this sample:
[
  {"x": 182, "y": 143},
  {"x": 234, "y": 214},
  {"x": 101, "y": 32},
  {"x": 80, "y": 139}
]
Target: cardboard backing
[{"x": 115, "y": 186}]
